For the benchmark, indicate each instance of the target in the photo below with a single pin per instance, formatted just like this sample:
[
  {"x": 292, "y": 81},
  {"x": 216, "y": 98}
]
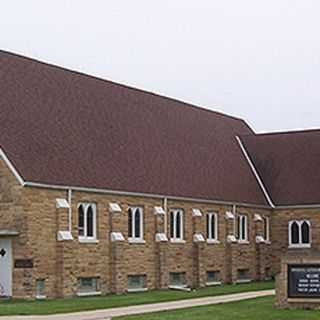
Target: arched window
[
  {"x": 81, "y": 220},
  {"x": 135, "y": 224},
  {"x": 299, "y": 234},
  {"x": 266, "y": 228},
  {"x": 305, "y": 232},
  {"x": 295, "y": 233},
  {"x": 242, "y": 228},
  {"x": 87, "y": 221},
  {"x": 212, "y": 226},
  {"x": 176, "y": 224},
  {"x": 90, "y": 221}
]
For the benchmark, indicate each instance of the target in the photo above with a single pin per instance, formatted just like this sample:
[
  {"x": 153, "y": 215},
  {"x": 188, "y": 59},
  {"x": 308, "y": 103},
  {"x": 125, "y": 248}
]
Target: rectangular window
[
  {"x": 87, "y": 219},
  {"x": 243, "y": 275},
  {"x": 136, "y": 282},
  {"x": 135, "y": 223},
  {"x": 177, "y": 279},
  {"x": 266, "y": 226},
  {"x": 88, "y": 285},
  {"x": 40, "y": 289},
  {"x": 242, "y": 222},
  {"x": 213, "y": 277},
  {"x": 268, "y": 274},
  {"x": 212, "y": 226},
  {"x": 176, "y": 224}
]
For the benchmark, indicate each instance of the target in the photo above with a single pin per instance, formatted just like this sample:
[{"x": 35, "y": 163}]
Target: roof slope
[
  {"x": 66, "y": 128},
  {"x": 288, "y": 164}
]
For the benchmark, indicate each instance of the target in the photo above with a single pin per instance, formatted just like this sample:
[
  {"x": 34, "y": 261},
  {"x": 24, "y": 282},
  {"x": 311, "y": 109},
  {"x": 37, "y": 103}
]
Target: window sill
[
  {"x": 214, "y": 283},
  {"x": 180, "y": 288},
  {"x": 88, "y": 240},
  {"x": 41, "y": 297},
  {"x": 300, "y": 246},
  {"x": 211, "y": 241},
  {"x": 89, "y": 294},
  {"x": 137, "y": 290},
  {"x": 178, "y": 241},
  {"x": 136, "y": 241},
  {"x": 243, "y": 281},
  {"x": 243, "y": 242}
]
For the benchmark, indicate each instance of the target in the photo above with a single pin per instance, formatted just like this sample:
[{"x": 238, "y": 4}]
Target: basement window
[
  {"x": 213, "y": 278},
  {"x": 177, "y": 279},
  {"x": 136, "y": 283},
  {"x": 40, "y": 289},
  {"x": 243, "y": 276},
  {"x": 88, "y": 286},
  {"x": 299, "y": 234}
]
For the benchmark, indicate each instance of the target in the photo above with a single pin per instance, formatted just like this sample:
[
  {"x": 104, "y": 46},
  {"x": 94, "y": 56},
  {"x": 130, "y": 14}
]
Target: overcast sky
[{"x": 255, "y": 59}]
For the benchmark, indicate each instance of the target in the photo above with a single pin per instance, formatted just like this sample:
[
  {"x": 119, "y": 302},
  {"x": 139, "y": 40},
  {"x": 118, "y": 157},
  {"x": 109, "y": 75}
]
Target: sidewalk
[{"x": 147, "y": 308}]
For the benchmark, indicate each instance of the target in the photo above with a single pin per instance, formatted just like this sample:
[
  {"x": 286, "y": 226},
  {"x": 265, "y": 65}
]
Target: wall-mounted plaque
[
  {"x": 304, "y": 281},
  {"x": 23, "y": 263}
]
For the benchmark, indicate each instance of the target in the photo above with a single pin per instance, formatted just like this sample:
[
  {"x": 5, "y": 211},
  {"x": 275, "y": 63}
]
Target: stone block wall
[{"x": 33, "y": 212}]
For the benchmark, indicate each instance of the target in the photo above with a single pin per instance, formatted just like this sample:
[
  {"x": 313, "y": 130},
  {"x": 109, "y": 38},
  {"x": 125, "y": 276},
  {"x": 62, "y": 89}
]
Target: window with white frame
[
  {"x": 300, "y": 234},
  {"x": 242, "y": 223},
  {"x": 88, "y": 285},
  {"x": 136, "y": 282},
  {"x": 176, "y": 224},
  {"x": 40, "y": 288},
  {"x": 212, "y": 226},
  {"x": 177, "y": 279},
  {"x": 135, "y": 223},
  {"x": 266, "y": 228},
  {"x": 87, "y": 217}
]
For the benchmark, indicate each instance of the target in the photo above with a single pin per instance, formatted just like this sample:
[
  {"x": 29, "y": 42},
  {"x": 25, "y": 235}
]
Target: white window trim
[
  {"x": 133, "y": 238},
  {"x": 210, "y": 239},
  {"x": 85, "y": 238},
  {"x": 300, "y": 244},
  {"x": 244, "y": 232},
  {"x": 266, "y": 220},
  {"x": 175, "y": 239}
]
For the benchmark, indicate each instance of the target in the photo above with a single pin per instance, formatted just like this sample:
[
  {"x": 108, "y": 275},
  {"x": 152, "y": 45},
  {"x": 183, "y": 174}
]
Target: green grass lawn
[
  {"x": 256, "y": 309},
  {"x": 20, "y": 307}
]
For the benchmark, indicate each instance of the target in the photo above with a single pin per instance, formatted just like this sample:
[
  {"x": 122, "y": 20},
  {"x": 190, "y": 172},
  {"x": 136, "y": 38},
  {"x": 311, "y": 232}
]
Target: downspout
[
  {"x": 165, "y": 208},
  {"x": 234, "y": 211},
  {"x": 70, "y": 210}
]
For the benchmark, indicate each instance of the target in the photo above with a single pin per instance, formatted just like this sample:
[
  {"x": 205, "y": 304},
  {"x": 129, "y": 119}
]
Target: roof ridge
[{"x": 81, "y": 73}]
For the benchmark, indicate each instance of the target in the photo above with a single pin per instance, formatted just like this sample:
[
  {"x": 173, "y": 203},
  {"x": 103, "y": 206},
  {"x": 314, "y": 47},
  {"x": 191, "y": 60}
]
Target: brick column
[
  {"x": 162, "y": 273},
  {"x": 259, "y": 249},
  {"x": 118, "y": 274},
  {"x": 199, "y": 268},
  {"x": 229, "y": 272},
  {"x": 66, "y": 282}
]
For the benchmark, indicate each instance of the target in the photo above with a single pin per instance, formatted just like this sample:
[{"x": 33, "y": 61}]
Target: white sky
[{"x": 256, "y": 59}]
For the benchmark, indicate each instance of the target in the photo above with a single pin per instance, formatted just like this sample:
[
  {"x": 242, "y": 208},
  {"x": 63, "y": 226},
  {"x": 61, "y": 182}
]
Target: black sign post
[{"x": 304, "y": 281}]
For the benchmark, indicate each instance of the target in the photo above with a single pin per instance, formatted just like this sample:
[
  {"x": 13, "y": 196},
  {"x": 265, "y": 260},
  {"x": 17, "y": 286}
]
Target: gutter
[
  {"x": 156, "y": 196},
  {"x": 145, "y": 195}
]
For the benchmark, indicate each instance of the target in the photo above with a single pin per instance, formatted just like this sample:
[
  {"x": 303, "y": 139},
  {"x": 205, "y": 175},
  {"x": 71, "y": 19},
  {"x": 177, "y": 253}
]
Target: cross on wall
[{"x": 3, "y": 252}]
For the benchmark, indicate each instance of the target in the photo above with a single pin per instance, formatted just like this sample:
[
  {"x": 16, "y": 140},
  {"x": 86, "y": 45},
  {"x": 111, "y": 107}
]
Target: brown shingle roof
[
  {"x": 66, "y": 128},
  {"x": 288, "y": 164}
]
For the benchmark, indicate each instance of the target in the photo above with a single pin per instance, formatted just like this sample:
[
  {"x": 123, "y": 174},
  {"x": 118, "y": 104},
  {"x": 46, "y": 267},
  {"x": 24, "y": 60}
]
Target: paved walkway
[{"x": 147, "y": 308}]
